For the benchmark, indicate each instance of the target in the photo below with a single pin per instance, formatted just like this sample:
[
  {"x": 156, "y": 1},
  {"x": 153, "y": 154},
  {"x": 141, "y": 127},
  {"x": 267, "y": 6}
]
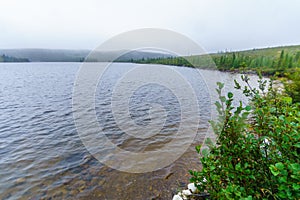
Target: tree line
[
  {"x": 268, "y": 65},
  {"x": 5, "y": 58},
  {"x": 234, "y": 61}
]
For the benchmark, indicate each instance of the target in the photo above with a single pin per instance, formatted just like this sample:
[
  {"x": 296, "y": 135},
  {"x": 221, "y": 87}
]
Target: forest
[{"x": 268, "y": 61}]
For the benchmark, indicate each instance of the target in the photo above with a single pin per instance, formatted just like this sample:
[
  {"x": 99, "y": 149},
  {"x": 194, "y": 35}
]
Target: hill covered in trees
[
  {"x": 65, "y": 55},
  {"x": 5, "y": 58},
  {"x": 268, "y": 60}
]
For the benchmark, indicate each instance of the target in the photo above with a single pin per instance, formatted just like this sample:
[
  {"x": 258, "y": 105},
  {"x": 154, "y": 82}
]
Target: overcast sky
[{"x": 85, "y": 24}]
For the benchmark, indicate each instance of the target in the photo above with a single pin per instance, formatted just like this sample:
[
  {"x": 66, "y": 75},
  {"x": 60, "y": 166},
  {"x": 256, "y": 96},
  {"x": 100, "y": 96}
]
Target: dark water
[{"x": 42, "y": 156}]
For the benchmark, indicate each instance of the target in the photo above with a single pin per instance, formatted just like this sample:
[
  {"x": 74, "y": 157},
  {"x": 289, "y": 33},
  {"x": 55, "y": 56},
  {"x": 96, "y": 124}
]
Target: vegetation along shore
[{"x": 256, "y": 155}]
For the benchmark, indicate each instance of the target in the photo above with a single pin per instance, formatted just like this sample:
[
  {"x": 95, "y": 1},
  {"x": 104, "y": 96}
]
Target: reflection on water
[{"x": 42, "y": 157}]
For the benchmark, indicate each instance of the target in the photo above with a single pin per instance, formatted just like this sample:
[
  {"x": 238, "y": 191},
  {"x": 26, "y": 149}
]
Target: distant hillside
[
  {"x": 59, "y": 55},
  {"x": 47, "y": 55},
  {"x": 271, "y": 52},
  {"x": 126, "y": 56},
  {"x": 267, "y": 60},
  {"x": 5, "y": 58}
]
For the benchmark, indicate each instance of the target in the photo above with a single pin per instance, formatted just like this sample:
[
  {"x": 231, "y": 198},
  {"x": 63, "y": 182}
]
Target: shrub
[
  {"x": 256, "y": 155},
  {"x": 292, "y": 84}
]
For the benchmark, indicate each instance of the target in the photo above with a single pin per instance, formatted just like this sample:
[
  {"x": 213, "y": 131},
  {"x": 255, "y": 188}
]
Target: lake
[{"x": 43, "y": 157}]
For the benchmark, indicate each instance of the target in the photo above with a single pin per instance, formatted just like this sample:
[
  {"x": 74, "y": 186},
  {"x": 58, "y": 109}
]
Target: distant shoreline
[{"x": 62, "y": 55}]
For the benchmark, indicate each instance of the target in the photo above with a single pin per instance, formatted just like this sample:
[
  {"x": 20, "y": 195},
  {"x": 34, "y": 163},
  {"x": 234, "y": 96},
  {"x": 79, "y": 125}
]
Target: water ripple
[{"x": 41, "y": 155}]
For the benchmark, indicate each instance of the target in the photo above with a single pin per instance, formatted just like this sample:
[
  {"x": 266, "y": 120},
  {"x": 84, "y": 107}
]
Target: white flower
[
  {"x": 186, "y": 192},
  {"x": 192, "y": 187},
  {"x": 266, "y": 141},
  {"x": 177, "y": 197}
]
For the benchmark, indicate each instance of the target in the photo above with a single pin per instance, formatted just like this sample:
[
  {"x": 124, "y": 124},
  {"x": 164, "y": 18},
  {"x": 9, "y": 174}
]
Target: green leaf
[
  {"x": 237, "y": 85},
  {"x": 238, "y": 193},
  {"x": 274, "y": 170},
  {"x": 230, "y": 95},
  {"x": 248, "y": 108},
  {"x": 245, "y": 115},
  {"x": 205, "y": 152},
  {"x": 296, "y": 186},
  {"x": 198, "y": 147},
  {"x": 238, "y": 167},
  {"x": 295, "y": 167},
  {"x": 223, "y": 99},
  {"x": 283, "y": 187},
  {"x": 219, "y": 106},
  {"x": 220, "y": 85},
  {"x": 287, "y": 100},
  {"x": 279, "y": 166},
  {"x": 209, "y": 142},
  {"x": 282, "y": 194},
  {"x": 248, "y": 198},
  {"x": 282, "y": 179}
]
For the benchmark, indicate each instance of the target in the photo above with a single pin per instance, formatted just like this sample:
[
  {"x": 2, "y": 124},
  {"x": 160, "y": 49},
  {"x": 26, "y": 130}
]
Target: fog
[{"x": 213, "y": 24}]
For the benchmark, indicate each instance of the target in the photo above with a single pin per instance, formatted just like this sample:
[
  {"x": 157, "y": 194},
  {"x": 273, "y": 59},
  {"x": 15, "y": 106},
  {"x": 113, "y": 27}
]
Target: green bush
[
  {"x": 292, "y": 84},
  {"x": 256, "y": 155}
]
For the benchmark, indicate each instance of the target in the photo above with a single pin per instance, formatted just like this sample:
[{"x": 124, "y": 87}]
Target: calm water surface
[{"x": 42, "y": 156}]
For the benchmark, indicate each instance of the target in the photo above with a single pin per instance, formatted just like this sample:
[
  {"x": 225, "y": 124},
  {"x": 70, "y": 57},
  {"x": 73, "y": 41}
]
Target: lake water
[{"x": 42, "y": 156}]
